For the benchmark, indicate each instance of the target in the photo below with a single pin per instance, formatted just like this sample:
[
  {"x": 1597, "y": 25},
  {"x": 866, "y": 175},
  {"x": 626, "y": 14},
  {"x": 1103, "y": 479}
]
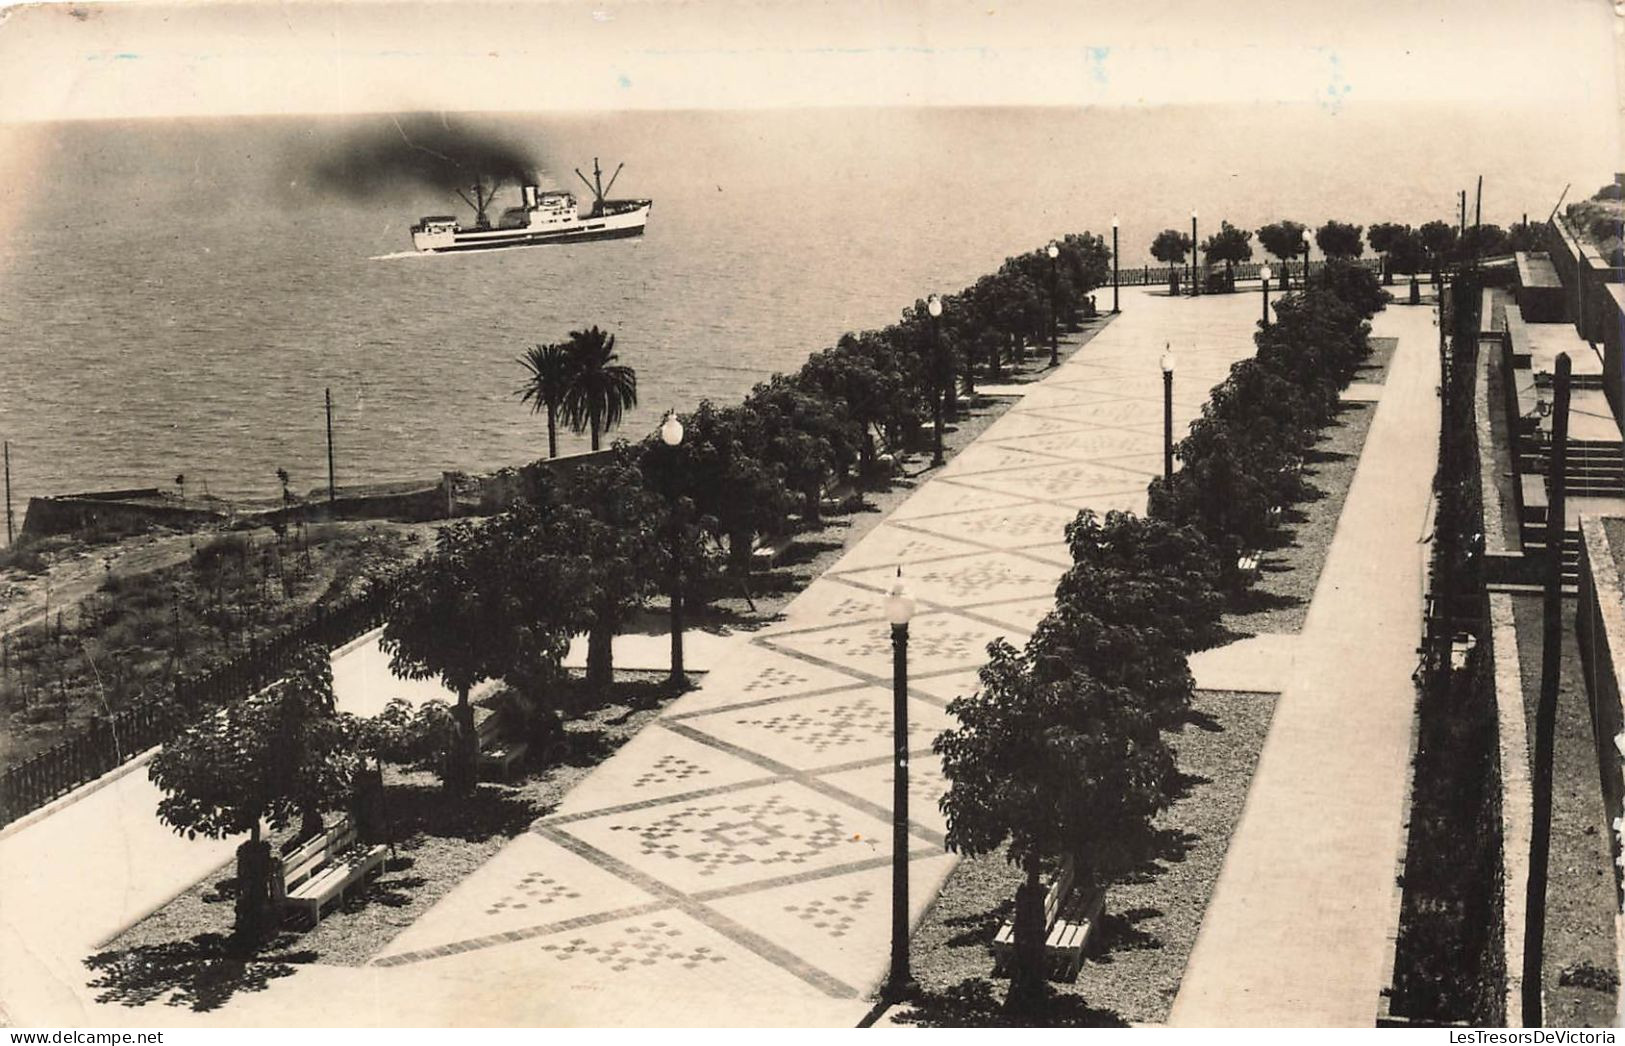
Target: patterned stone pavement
[{"x": 742, "y": 842}]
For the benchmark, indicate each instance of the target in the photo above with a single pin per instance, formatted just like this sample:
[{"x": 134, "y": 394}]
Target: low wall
[
  {"x": 455, "y": 494},
  {"x": 1596, "y": 307},
  {"x": 1541, "y": 297},
  {"x": 79, "y": 512}
]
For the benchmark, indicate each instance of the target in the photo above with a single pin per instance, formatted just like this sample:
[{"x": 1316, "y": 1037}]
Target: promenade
[{"x": 731, "y": 864}]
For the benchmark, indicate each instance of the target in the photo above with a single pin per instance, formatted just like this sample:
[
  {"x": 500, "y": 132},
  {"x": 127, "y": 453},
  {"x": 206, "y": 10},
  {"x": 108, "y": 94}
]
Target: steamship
[{"x": 542, "y": 217}]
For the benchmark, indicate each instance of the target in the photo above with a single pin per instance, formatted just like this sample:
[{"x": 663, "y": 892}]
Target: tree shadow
[
  {"x": 977, "y": 929},
  {"x": 1257, "y": 601},
  {"x": 1120, "y": 932},
  {"x": 975, "y": 1003},
  {"x": 1203, "y": 721},
  {"x": 805, "y": 551},
  {"x": 202, "y": 973},
  {"x": 419, "y": 810},
  {"x": 391, "y": 891}
]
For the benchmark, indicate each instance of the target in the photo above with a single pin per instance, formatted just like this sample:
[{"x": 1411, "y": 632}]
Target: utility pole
[
  {"x": 1546, "y": 711},
  {"x": 8, "y": 494},
  {"x": 1461, "y": 227},
  {"x": 1478, "y": 217},
  {"x": 332, "y": 492}
]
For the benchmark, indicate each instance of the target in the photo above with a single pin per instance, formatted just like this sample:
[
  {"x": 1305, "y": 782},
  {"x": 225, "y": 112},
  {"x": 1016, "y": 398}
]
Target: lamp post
[
  {"x": 1308, "y": 242},
  {"x": 1167, "y": 416},
  {"x": 1264, "y": 274},
  {"x": 899, "y": 610},
  {"x": 671, "y": 434},
  {"x": 1054, "y": 252},
  {"x": 933, "y": 306},
  {"x": 1195, "y": 290},
  {"x": 1114, "y": 265}
]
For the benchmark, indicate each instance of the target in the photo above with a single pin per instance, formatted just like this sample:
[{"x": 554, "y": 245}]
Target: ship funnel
[{"x": 529, "y": 194}]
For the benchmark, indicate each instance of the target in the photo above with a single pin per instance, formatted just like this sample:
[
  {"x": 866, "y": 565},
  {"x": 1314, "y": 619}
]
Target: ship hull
[{"x": 528, "y": 239}]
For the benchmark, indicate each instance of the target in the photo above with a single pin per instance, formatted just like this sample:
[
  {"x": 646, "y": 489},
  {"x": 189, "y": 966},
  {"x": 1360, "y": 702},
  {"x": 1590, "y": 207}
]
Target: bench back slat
[{"x": 316, "y": 853}]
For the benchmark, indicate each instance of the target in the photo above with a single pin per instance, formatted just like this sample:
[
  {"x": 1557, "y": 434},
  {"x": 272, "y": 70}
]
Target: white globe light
[
  {"x": 933, "y": 305},
  {"x": 1168, "y": 361},
  {"x": 1193, "y": 212},
  {"x": 899, "y": 604},
  {"x": 671, "y": 430},
  {"x": 1114, "y": 221},
  {"x": 1265, "y": 273},
  {"x": 1053, "y": 251},
  {"x": 1307, "y": 239}
]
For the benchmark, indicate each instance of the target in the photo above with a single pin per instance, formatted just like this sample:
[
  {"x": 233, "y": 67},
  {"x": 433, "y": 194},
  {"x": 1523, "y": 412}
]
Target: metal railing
[{"x": 109, "y": 741}]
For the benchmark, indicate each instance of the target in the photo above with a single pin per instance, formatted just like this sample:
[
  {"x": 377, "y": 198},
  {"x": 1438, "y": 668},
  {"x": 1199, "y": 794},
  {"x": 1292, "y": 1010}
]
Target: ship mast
[
  {"x": 599, "y": 189},
  {"x": 482, "y": 199}
]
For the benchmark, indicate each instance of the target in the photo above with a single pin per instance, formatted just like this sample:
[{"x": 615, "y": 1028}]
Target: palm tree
[
  {"x": 600, "y": 390},
  {"x": 550, "y": 372}
]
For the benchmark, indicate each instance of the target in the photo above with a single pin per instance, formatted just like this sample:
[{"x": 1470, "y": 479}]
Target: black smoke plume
[{"x": 422, "y": 152}]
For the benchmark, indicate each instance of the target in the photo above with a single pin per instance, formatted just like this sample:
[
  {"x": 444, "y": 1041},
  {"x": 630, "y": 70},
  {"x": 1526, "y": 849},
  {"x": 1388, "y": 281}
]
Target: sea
[{"x": 176, "y": 296}]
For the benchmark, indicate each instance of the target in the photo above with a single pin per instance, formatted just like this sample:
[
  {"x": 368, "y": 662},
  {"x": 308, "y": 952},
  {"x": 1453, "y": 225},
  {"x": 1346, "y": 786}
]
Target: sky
[{"x": 88, "y": 61}]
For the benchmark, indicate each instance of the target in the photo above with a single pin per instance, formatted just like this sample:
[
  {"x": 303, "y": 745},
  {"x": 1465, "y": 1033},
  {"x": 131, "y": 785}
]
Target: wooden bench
[
  {"x": 322, "y": 868},
  {"x": 496, "y": 754},
  {"x": 1247, "y": 563},
  {"x": 842, "y": 497},
  {"x": 767, "y": 553},
  {"x": 1070, "y": 917}
]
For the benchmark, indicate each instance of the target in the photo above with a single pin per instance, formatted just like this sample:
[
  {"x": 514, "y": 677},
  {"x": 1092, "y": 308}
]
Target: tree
[
  {"x": 605, "y": 529},
  {"x": 1384, "y": 237},
  {"x": 602, "y": 390},
  {"x": 806, "y": 435},
  {"x": 1170, "y": 247},
  {"x": 1339, "y": 240},
  {"x": 1482, "y": 241},
  {"x": 848, "y": 377},
  {"x": 1146, "y": 574},
  {"x": 1229, "y": 245},
  {"x": 1057, "y": 764},
  {"x": 1284, "y": 240},
  {"x": 274, "y": 755},
  {"x": 738, "y": 494},
  {"x": 1439, "y": 241},
  {"x": 1526, "y": 236},
  {"x": 452, "y": 616},
  {"x": 549, "y": 379},
  {"x": 1405, "y": 252},
  {"x": 1355, "y": 286},
  {"x": 1086, "y": 261}
]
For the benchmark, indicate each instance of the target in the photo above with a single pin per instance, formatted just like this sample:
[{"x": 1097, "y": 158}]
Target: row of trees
[
  {"x": 1063, "y": 752},
  {"x": 1403, "y": 249},
  {"x": 1241, "y": 462}
]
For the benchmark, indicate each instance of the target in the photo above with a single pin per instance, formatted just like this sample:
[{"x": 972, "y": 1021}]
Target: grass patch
[
  {"x": 1288, "y": 573},
  {"x": 1149, "y": 927}
]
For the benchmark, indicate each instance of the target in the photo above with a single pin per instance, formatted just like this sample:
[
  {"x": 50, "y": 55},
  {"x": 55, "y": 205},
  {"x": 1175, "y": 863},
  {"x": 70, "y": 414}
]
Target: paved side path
[{"x": 1297, "y": 931}]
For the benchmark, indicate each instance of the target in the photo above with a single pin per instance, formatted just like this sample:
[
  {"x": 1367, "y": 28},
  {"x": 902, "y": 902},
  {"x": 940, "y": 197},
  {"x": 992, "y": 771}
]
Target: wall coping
[{"x": 1517, "y": 798}]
